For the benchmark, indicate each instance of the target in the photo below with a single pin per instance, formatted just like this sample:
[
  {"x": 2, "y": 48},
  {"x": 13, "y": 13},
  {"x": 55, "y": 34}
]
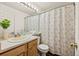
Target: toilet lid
[{"x": 43, "y": 47}]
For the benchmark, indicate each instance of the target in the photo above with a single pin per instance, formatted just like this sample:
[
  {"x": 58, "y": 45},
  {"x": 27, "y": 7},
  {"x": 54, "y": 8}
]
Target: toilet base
[
  {"x": 43, "y": 54},
  {"x": 43, "y": 49}
]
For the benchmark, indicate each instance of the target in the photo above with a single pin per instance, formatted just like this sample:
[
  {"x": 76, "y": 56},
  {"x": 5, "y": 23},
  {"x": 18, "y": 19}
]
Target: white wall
[
  {"x": 12, "y": 14},
  {"x": 77, "y": 27}
]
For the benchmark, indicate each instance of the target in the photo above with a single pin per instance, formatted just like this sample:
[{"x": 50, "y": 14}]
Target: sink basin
[{"x": 21, "y": 39}]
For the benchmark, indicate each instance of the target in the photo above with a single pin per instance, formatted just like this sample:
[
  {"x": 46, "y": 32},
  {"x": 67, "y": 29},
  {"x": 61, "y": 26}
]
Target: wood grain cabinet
[
  {"x": 32, "y": 48},
  {"x": 28, "y": 49},
  {"x": 15, "y": 52}
]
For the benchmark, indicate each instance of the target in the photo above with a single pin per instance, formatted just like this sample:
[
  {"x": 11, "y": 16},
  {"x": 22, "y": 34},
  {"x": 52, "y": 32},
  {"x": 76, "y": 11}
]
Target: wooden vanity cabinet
[
  {"x": 32, "y": 48},
  {"x": 28, "y": 49}
]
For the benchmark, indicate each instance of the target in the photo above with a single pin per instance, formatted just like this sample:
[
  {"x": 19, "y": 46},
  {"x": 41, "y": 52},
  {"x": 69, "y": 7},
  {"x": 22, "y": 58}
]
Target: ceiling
[{"x": 42, "y": 6}]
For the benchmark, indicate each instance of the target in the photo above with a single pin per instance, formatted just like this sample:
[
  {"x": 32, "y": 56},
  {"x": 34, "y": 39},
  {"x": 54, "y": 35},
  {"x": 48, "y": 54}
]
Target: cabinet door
[
  {"x": 22, "y": 54},
  {"x": 26, "y": 49},
  {"x": 15, "y": 52},
  {"x": 32, "y": 48}
]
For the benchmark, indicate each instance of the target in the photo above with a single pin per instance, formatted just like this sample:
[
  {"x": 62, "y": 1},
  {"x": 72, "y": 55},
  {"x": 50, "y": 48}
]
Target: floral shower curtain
[
  {"x": 51, "y": 31},
  {"x": 44, "y": 27},
  {"x": 69, "y": 29},
  {"x": 32, "y": 23},
  {"x": 62, "y": 27}
]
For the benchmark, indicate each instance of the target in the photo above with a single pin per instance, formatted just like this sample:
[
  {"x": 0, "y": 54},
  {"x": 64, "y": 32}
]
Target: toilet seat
[{"x": 43, "y": 47}]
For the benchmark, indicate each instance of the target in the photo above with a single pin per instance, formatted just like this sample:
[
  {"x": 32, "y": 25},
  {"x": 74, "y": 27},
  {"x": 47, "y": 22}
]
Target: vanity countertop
[{"x": 6, "y": 45}]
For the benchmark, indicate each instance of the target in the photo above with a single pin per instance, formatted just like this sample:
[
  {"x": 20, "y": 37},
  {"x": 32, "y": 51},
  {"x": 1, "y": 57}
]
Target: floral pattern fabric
[{"x": 63, "y": 32}]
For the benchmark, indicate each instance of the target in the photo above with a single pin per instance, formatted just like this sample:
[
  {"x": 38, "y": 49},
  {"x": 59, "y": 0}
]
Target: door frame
[{"x": 76, "y": 4}]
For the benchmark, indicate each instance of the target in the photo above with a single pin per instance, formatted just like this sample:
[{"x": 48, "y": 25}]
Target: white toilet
[{"x": 43, "y": 49}]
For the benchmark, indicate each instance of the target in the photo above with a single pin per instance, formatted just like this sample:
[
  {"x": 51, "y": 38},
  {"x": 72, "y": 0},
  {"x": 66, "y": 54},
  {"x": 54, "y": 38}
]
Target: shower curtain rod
[{"x": 49, "y": 10}]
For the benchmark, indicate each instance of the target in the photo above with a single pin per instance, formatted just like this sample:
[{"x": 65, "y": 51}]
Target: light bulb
[{"x": 29, "y": 4}]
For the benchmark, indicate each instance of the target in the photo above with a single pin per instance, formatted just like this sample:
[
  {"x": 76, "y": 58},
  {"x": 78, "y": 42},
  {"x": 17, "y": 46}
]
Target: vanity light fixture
[{"x": 28, "y": 4}]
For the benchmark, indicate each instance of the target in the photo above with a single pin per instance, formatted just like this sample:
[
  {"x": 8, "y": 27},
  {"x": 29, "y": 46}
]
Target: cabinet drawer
[{"x": 15, "y": 52}]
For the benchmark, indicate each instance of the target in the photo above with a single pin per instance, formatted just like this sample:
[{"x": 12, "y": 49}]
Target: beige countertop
[{"x": 6, "y": 45}]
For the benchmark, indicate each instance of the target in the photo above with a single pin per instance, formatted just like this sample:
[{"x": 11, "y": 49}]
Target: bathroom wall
[
  {"x": 15, "y": 16},
  {"x": 77, "y": 27}
]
